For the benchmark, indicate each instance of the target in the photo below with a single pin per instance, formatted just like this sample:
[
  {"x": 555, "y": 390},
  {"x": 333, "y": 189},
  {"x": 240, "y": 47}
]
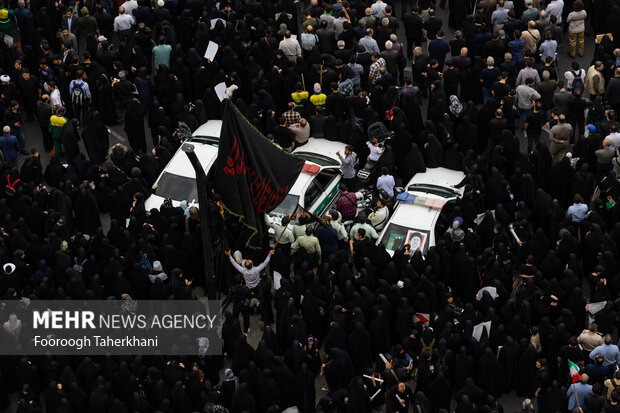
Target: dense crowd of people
[{"x": 401, "y": 333}]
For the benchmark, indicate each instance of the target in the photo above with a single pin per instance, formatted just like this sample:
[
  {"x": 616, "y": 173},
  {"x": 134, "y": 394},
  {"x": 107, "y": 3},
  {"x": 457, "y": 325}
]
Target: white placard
[
  {"x": 220, "y": 91},
  {"x": 211, "y": 51},
  {"x": 477, "y": 333},
  {"x": 214, "y": 22},
  {"x": 594, "y": 308},
  {"x": 294, "y": 36},
  {"x": 289, "y": 15},
  {"x": 491, "y": 290},
  {"x": 277, "y": 278}
]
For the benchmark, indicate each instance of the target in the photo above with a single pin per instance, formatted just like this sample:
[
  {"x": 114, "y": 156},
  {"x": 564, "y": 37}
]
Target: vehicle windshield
[
  {"x": 316, "y": 158},
  {"x": 433, "y": 189},
  {"x": 209, "y": 140},
  {"x": 287, "y": 206},
  {"x": 177, "y": 187},
  {"x": 397, "y": 235}
]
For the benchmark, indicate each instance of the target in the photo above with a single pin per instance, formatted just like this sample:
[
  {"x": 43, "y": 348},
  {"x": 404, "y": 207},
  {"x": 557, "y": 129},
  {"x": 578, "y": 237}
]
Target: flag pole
[
  {"x": 285, "y": 228},
  {"x": 205, "y": 221},
  {"x": 575, "y": 393}
]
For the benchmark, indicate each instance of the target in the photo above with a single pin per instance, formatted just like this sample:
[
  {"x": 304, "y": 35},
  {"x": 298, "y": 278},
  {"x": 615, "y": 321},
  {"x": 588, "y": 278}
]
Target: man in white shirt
[
  {"x": 301, "y": 130},
  {"x": 555, "y": 9},
  {"x": 122, "y": 25},
  {"x": 129, "y": 6},
  {"x": 290, "y": 47},
  {"x": 613, "y": 137},
  {"x": 386, "y": 182},
  {"x": 570, "y": 75},
  {"x": 55, "y": 99}
]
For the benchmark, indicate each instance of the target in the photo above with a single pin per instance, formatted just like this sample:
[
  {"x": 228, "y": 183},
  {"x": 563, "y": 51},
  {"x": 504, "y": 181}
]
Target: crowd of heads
[{"x": 538, "y": 221}]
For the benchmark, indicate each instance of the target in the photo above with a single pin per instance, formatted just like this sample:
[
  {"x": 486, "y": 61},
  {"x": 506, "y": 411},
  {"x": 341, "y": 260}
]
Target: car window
[
  {"x": 287, "y": 206},
  {"x": 177, "y": 187},
  {"x": 313, "y": 192},
  {"x": 433, "y": 189},
  {"x": 325, "y": 177},
  {"x": 316, "y": 158}
]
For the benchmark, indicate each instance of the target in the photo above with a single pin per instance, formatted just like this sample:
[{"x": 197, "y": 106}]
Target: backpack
[
  {"x": 577, "y": 81},
  {"x": 77, "y": 94}
]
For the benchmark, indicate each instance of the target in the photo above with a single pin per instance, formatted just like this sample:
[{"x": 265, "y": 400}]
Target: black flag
[{"x": 252, "y": 174}]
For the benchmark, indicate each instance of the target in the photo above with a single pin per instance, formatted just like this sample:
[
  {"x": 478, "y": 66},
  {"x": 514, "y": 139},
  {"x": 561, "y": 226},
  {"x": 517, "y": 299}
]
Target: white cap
[
  {"x": 5, "y": 78},
  {"x": 101, "y": 39},
  {"x": 569, "y": 155},
  {"x": 160, "y": 3}
]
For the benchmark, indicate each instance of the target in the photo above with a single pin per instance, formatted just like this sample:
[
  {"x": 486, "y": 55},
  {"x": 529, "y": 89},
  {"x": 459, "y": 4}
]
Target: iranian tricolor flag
[{"x": 574, "y": 371}]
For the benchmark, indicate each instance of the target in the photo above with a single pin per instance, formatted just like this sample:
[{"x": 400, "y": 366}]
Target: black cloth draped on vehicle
[{"x": 252, "y": 175}]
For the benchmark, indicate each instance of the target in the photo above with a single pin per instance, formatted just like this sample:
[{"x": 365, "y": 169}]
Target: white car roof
[
  {"x": 212, "y": 128},
  {"x": 414, "y": 216},
  {"x": 207, "y": 154},
  {"x": 180, "y": 164},
  {"x": 419, "y": 216},
  {"x": 443, "y": 177},
  {"x": 323, "y": 147}
]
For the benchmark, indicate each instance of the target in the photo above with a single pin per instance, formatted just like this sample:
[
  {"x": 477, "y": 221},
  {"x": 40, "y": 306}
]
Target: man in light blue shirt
[
  {"x": 548, "y": 48},
  {"x": 378, "y": 9},
  {"x": 582, "y": 388},
  {"x": 367, "y": 44},
  {"x": 578, "y": 211},
  {"x": 499, "y": 16},
  {"x": 386, "y": 182},
  {"x": 610, "y": 352}
]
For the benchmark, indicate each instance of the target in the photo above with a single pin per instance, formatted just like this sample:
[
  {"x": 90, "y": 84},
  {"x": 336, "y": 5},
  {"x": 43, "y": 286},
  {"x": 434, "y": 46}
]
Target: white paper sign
[
  {"x": 220, "y": 91},
  {"x": 8, "y": 40},
  {"x": 492, "y": 291},
  {"x": 477, "y": 333},
  {"x": 214, "y": 22},
  {"x": 211, "y": 50},
  {"x": 277, "y": 278},
  {"x": 294, "y": 36},
  {"x": 594, "y": 308},
  {"x": 289, "y": 15}
]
